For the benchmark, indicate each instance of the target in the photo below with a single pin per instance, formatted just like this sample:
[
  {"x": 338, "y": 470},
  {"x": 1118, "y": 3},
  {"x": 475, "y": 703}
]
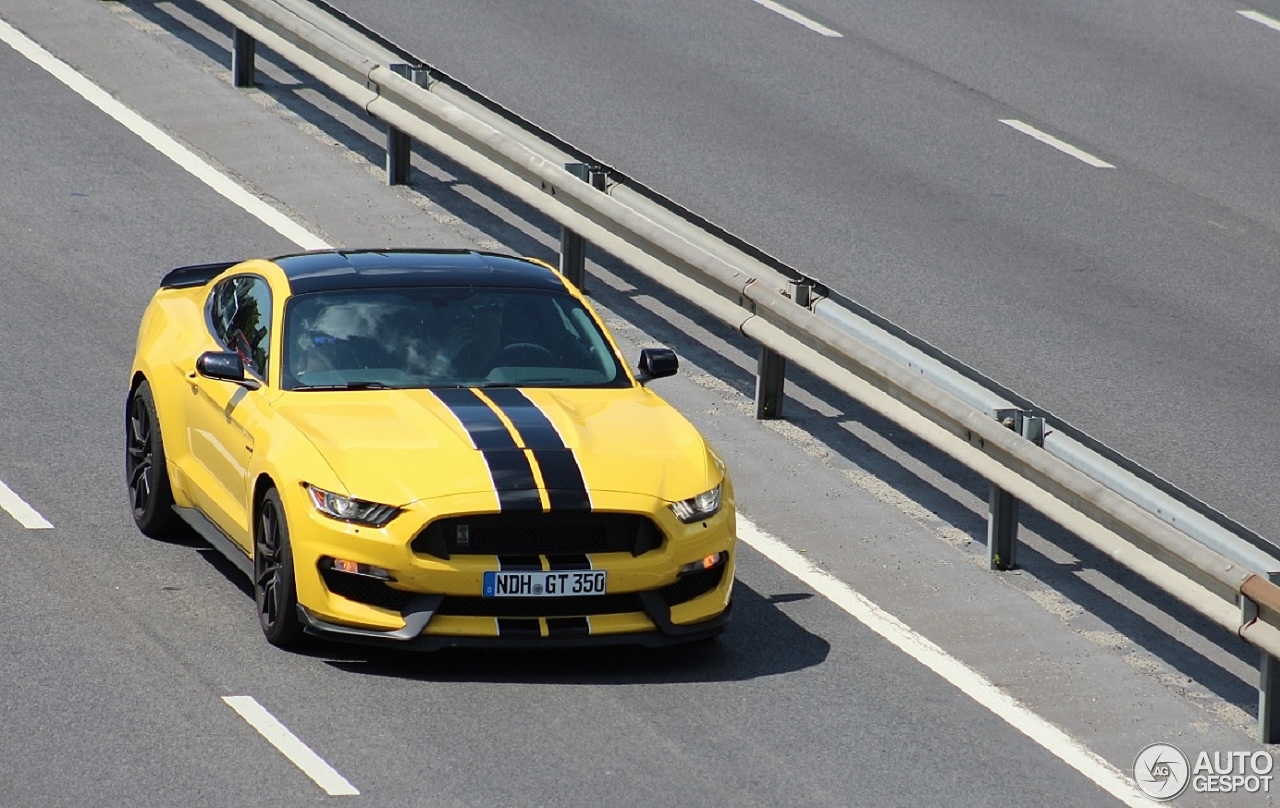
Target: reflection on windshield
[{"x": 440, "y": 337}]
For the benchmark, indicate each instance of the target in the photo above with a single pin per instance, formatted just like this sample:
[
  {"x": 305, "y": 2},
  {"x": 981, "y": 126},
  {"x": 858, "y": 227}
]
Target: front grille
[{"x": 553, "y": 533}]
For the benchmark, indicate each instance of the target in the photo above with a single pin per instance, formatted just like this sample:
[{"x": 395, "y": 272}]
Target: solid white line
[
  {"x": 1262, "y": 18},
  {"x": 24, "y": 513},
  {"x": 298, "y": 753},
  {"x": 973, "y": 684},
  {"x": 162, "y": 142},
  {"x": 796, "y": 16},
  {"x": 1065, "y": 148}
]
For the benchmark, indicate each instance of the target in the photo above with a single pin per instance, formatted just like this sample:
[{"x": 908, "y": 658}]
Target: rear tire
[
  {"x": 274, "y": 589},
  {"x": 146, "y": 474}
]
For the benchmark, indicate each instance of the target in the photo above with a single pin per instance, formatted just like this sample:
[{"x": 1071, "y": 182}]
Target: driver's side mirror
[
  {"x": 655, "y": 363},
  {"x": 225, "y": 366}
]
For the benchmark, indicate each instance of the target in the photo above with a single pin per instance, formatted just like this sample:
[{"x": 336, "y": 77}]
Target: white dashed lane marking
[
  {"x": 1062, "y": 146},
  {"x": 797, "y": 17},
  {"x": 298, "y": 753},
  {"x": 1260, "y": 18},
  {"x": 20, "y": 510}
]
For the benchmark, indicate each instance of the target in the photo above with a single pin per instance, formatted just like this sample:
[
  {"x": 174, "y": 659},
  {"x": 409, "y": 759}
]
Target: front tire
[
  {"x": 274, "y": 589},
  {"x": 146, "y": 474}
]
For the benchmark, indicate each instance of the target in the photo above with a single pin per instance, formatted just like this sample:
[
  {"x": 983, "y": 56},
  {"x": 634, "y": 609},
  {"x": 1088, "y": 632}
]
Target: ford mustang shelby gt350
[{"x": 425, "y": 448}]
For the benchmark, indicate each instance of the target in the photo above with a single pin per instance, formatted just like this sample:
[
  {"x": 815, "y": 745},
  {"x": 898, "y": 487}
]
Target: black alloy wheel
[
  {"x": 274, "y": 590},
  {"x": 147, "y": 476}
]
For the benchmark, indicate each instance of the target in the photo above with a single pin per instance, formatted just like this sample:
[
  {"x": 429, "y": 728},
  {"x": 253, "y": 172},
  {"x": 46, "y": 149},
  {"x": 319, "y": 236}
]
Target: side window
[{"x": 241, "y": 315}]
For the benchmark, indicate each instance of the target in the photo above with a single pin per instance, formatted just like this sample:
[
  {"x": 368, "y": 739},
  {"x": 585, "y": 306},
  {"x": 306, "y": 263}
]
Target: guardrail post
[
  {"x": 1002, "y": 512},
  {"x": 1269, "y": 691},
  {"x": 573, "y": 247},
  {"x": 771, "y": 378},
  {"x": 243, "y": 48},
  {"x": 771, "y": 367},
  {"x": 399, "y": 153},
  {"x": 1002, "y": 530}
]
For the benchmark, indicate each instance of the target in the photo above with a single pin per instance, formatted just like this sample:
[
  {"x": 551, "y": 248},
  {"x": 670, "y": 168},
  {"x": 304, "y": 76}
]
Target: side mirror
[
  {"x": 655, "y": 363},
  {"x": 224, "y": 366}
]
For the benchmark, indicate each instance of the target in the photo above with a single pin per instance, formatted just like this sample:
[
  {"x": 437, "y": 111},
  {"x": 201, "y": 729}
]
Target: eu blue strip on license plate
[{"x": 516, "y": 584}]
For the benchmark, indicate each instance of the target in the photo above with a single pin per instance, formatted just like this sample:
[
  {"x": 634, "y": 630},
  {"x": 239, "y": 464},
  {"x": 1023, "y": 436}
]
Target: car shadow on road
[{"x": 761, "y": 641}]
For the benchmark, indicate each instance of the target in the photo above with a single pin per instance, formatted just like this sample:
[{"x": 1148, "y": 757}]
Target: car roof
[{"x": 363, "y": 269}]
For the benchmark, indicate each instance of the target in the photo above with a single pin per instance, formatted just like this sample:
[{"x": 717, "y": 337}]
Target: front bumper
[{"x": 434, "y": 600}]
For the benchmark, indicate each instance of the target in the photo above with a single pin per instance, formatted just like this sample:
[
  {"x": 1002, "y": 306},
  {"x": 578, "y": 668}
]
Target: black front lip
[
  {"x": 417, "y": 613},
  {"x": 420, "y": 612}
]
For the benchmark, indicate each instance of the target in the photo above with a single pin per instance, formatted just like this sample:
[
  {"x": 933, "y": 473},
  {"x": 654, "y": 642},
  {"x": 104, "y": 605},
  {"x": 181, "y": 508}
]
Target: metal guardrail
[{"x": 1194, "y": 553}]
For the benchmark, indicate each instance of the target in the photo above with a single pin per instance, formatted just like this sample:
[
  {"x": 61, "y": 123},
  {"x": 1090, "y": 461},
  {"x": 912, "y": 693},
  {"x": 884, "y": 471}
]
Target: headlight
[
  {"x": 347, "y": 509},
  {"x": 702, "y": 506}
]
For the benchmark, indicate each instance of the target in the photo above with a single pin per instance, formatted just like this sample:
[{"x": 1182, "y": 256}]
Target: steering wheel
[{"x": 529, "y": 350}]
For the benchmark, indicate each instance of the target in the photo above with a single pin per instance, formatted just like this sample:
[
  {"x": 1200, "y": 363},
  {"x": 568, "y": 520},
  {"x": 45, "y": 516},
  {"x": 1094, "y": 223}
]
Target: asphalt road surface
[{"x": 122, "y": 658}]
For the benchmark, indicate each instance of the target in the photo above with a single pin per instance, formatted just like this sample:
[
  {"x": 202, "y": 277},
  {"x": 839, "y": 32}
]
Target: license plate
[{"x": 515, "y": 584}]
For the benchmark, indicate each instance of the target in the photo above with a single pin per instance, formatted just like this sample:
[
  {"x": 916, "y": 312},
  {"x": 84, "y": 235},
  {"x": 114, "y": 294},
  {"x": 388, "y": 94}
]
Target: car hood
[{"x": 399, "y": 446}]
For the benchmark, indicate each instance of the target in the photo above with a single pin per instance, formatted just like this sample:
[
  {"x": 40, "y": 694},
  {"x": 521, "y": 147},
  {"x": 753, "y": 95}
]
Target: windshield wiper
[
  {"x": 347, "y": 386},
  {"x": 470, "y": 385},
  {"x": 548, "y": 380}
]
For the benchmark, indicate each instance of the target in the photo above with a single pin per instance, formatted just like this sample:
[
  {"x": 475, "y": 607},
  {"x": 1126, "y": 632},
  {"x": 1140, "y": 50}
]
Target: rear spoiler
[{"x": 194, "y": 275}]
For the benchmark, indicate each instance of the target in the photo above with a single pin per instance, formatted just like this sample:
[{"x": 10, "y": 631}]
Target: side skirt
[{"x": 216, "y": 538}]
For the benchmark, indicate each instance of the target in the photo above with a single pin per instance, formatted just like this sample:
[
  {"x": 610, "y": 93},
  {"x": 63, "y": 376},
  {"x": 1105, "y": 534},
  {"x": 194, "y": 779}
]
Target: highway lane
[
  {"x": 1136, "y": 302},
  {"x": 97, "y": 708},
  {"x": 119, "y": 650}
]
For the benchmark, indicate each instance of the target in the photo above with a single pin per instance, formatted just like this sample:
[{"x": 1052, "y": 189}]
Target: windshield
[{"x": 444, "y": 337}]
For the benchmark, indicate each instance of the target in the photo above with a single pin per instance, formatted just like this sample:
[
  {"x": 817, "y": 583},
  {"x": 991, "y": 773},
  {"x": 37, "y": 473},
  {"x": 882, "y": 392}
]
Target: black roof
[{"x": 363, "y": 269}]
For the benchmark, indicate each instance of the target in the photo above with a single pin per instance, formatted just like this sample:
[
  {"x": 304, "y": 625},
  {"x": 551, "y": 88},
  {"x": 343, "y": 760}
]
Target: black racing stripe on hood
[
  {"x": 509, "y": 466},
  {"x": 513, "y": 481},
  {"x": 565, "y": 487},
  {"x": 531, "y": 422},
  {"x": 482, "y": 424},
  {"x": 561, "y": 473}
]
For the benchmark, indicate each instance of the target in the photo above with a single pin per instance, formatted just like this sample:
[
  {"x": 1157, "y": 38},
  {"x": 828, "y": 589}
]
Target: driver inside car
[{"x": 474, "y": 344}]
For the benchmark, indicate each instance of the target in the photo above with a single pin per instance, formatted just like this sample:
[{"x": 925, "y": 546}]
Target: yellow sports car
[{"x": 425, "y": 448}]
